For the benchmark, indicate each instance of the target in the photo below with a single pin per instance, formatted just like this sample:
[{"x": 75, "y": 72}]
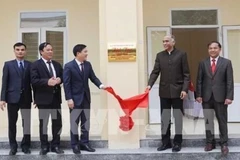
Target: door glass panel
[
  {"x": 31, "y": 40},
  {"x": 233, "y": 38},
  {"x": 56, "y": 38},
  {"x": 156, "y": 46}
]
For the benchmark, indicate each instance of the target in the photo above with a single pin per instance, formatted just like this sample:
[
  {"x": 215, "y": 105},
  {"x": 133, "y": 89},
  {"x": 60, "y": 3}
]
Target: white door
[
  {"x": 231, "y": 45},
  {"x": 154, "y": 44},
  {"x": 30, "y": 37},
  {"x": 57, "y": 38}
]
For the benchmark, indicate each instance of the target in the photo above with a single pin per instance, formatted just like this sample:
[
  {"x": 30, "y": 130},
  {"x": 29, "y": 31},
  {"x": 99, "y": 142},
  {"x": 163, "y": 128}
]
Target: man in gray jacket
[{"x": 215, "y": 91}]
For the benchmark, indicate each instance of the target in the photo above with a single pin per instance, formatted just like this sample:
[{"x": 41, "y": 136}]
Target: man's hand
[
  {"x": 70, "y": 103},
  {"x": 228, "y": 101},
  {"x": 102, "y": 86},
  {"x": 2, "y": 105},
  {"x": 52, "y": 81},
  {"x": 183, "y": 94},
  {"x": 199, "y": 99},
  {"x": 147, "y": 88},
  {"x": 58, "y": 80}
]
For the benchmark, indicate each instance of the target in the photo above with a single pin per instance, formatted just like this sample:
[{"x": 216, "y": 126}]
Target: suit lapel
[
  {"x": 219, "y": 62},
  {"x": 209, "y": 68},
  {"x": 55, "y": 68},
  {"x": 85, "y": 69},
  {"x": 77, "y": 68},
  {"x": 15, "y": 64},
  {"x": 45, "y": 67},
  {"x": 25, "y": 65}
]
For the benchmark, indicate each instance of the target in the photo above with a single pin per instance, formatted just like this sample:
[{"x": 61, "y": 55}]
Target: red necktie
[{"x": 213, "y": 65}]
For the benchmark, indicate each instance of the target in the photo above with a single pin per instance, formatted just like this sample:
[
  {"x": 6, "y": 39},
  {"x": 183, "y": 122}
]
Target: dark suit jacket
[
  {"x": 220, "y": 84},
  {"x": 75, "y": 84},
  {"x": 43, "y": 94},
  {"x": 174, "y": 72},
  {"x": 12, "y": 82}
]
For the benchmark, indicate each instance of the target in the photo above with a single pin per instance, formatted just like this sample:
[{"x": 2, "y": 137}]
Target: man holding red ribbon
[{"x": 172, "y": 64}]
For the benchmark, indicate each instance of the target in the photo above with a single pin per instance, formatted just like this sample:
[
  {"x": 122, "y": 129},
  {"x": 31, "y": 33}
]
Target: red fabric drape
[{"x": 128, "y": 106}]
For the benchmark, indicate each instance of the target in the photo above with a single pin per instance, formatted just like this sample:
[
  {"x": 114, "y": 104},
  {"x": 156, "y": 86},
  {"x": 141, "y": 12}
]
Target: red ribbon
[{"x": 128, "y": 106}]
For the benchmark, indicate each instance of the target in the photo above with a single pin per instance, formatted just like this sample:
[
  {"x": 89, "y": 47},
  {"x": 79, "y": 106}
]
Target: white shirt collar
[
  {"x": 216, "y": 59},
  {"x": 78, "y": 62},
  {"x": 45, "y": 60}
]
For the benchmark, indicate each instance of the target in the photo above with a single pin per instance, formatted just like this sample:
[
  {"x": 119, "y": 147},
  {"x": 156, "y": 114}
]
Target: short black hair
[
  {"x": 43, "y": 45},
  {"x": 18, "y": 44},
  {"x": 78, "y": 48},
  {"x": 218, "y": 43}
]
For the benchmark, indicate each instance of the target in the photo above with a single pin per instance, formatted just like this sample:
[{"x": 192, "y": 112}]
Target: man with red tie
[{"x": 215, "y": 91}]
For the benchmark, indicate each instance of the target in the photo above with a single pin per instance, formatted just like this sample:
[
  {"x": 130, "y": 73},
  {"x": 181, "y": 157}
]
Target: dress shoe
[
  {"x": 26, "y": 150},
  {"x": 44, "y": 151},
  {"x": 76, "y": 150},
  {"x": 209, "y": 147},
  {"x": 224, "y": 150},
  {"x": 176, "y": 148},
  {"x": 13, "y": 151},
  {"x": 86, "y": 147},
  {"x": 57, "y": 150},
  {"x": 164, "y": 147}
]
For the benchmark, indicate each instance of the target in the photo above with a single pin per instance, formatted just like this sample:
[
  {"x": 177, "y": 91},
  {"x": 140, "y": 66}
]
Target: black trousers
[
  {"x": 221, "y": 113},
  {"x": 80, "y": 113},
  {"x": 25, "y": 109},
  {"x": 45, "y": 111},
  {"x": 177, "y": 105}
]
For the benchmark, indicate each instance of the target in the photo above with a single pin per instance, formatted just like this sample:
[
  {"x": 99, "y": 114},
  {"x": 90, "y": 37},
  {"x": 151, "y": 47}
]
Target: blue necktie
[{"x": 22, "y": 75}]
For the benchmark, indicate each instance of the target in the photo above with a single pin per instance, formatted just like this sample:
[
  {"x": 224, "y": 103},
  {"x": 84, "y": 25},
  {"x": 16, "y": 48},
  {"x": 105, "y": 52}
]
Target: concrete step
[
  {"x": 187, "y": 142},
  {"x": 64, "y": 144},
  {"x": 146, "y": 143},
  {"x": 187, "y": 153}
]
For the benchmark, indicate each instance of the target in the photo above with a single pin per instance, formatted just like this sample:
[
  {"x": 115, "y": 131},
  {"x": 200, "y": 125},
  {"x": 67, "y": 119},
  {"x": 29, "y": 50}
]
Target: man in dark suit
[
  {"x": 17, "y": 93},
  {"x": 46, "y": 77},
  {"x": 75, "y": 80},
  {"x": 172, "y": 64},
  {"x": 215, "y": 91}
]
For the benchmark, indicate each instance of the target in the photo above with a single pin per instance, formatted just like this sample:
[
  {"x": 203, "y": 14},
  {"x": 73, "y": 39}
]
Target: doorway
[
  {"x": 194, "y": 42},
  {"x": 191, "y": 40}
]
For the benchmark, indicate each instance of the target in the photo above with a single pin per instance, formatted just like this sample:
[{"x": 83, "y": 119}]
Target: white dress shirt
[
  {"x": 53, "y": 69},
  {"x": 18, "y": 61},
  {"x": 80, "y": 67},
  {"x": 79, "y": 64},
  {"x": 216, "y": 59}
]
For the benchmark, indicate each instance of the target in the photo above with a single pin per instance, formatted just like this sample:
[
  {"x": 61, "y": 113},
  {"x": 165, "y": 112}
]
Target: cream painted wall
[{"x": 83, "y": 27}]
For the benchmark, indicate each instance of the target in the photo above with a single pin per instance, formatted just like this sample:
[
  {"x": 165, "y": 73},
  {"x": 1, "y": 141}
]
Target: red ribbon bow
[{"x": 128, "y": 106}]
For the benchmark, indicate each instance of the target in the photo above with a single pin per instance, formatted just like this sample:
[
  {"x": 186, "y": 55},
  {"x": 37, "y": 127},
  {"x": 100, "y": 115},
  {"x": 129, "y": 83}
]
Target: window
[
  {"x": 194, "y": 17},
  {"x": 42, "y": 19},
  {"x": 38, "y": 27}
]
